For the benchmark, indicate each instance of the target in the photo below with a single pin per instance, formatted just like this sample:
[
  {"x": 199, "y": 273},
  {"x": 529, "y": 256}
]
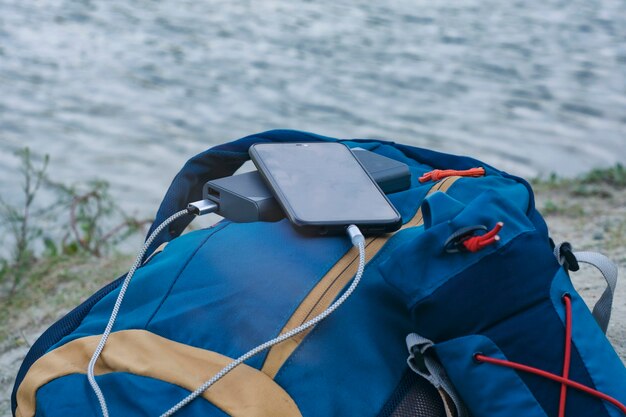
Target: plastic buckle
[{"x": 567, "y": 257}]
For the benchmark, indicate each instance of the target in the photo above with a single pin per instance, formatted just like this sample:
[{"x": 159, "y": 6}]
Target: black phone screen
[{"x": 323, "y": 184}]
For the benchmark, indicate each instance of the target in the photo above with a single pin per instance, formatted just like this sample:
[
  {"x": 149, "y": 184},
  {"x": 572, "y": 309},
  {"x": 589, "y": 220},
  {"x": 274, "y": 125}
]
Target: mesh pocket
[{"x": 413, "y": 397}]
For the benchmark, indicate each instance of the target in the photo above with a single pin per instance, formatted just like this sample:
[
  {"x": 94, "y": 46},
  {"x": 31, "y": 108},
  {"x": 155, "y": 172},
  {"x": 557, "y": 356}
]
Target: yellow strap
[
  {"x": 244, "y": 392},
  {"x": 331, "y": 284}
]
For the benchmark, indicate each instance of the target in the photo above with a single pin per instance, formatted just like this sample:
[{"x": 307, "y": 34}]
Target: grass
[
  {"x": 567, "y": 196},
  {"x": 597, "y": 183},
  {"x": 562, "y": 209},
  {"x": 53, "y": 285},
  {"x": 614, "y": 176},
  {"x": 75, "y": 219}
]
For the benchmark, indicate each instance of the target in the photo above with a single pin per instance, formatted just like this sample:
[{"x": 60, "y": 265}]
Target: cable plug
[
  {"x": 202, "y": 207},
  {"x": 355, "y": 235}
]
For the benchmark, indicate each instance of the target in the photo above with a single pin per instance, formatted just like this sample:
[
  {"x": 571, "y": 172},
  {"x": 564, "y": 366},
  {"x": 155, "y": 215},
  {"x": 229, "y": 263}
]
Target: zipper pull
[{"x": 439, "y": 174}]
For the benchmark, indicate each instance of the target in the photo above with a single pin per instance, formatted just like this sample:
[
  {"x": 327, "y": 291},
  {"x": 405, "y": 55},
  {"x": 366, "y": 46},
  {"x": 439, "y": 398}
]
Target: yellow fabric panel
[
  {"x": 327, "y": 289},
  {"x": 245, "y": 391}
]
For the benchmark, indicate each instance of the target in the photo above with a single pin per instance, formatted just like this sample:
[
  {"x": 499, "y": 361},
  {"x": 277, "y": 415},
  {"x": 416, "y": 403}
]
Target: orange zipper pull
[
  {"x": 476, "y": 243},
  {"x": 439, "y": 174}
]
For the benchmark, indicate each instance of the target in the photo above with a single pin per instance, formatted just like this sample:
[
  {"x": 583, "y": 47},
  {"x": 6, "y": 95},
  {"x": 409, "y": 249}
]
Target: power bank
[{"x": 245, "y": 197}]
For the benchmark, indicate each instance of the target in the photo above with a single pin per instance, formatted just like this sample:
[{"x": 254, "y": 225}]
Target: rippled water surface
[{"x": 128, "y": 90}]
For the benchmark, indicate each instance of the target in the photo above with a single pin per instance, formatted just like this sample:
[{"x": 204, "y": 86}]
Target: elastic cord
[
  {"x": 563, "y": 380},
  {"x": 116, "y": 309},
  {"x": 358, "y": 241},
  {"x": 553, "y": 377}
]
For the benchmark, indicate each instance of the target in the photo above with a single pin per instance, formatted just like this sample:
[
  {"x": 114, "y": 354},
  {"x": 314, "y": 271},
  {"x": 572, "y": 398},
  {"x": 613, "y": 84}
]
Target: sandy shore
[{"x": 590, "y": 217}]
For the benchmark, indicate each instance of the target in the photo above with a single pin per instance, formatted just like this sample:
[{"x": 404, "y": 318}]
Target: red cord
[
  {"x": 553, "y": 377},
  {"x": 568, "y": 352},
  {"x": 476, "y": 243},
  {"x": 563, "y": 380},
  {"x": 439, "y": 174}
]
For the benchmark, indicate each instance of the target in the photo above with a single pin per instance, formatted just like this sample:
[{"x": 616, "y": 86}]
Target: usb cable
[
  {"x": 197, "y": 208},
  {"x": 358, "y": 241},
  {"x": 200, "y": 208}
]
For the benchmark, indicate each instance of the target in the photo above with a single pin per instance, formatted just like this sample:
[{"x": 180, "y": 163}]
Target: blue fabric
[
  {"x": 439, "y": 208},
  {"x": 487, "y": 390},
  {"x": 510, "y": 315},
  {"x": 353, "y": 362},
  {"x": 148, "y": 287},
  {"x": 422, "y": 266},
  {"x": 514, "y": 192},
  {"x": 370, "y": 326},
  {"x": 501, "y": 293},
  {"x": 243, "y": 307},
  {"x": 544, "y": 349},
  {"x": 126, "y": 394}
]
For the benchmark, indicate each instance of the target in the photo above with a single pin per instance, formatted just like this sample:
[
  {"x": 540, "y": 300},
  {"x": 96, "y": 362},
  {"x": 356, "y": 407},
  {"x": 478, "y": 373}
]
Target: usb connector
[
  {"x": 355, "y": 235},
  {"x": 202, "y": 207}
]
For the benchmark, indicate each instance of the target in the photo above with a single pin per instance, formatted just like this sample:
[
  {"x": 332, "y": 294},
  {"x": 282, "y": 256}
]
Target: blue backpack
[{"x": 470, "y": 285}]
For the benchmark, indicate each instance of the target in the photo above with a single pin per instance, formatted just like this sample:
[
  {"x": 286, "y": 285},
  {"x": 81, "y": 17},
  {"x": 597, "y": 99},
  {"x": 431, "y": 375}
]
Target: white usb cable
[
  {"x": 357, "y": 240},
  {"x": 116, "y": 308}
]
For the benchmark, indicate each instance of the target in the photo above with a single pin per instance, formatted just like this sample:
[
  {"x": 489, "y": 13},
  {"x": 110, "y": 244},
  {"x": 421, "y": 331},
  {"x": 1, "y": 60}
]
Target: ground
[
  {"x": 589, "y": 214},
  {"x": 55, "y": 287}
]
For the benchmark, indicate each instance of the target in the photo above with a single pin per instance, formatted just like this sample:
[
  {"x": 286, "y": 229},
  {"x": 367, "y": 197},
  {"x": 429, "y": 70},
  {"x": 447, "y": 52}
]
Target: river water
[{"x": 127, "y": 90}]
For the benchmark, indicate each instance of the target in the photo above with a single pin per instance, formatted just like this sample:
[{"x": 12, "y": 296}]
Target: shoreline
[{"x": 589, "y": 212}]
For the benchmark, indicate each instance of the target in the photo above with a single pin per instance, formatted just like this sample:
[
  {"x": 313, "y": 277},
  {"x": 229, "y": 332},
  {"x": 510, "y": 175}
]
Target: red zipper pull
[
  {"x": 439, "y": 174},
  {"x": 476, "y": 243}
]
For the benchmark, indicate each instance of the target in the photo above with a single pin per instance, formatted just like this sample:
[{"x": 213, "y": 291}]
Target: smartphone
[
  {"x": 246, "y": 198},
  {"x": 323, "y": 187}
]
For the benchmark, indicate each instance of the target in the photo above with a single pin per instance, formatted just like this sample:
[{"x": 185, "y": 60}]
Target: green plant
[
  {"x": 74, "y": 219},
  {"x": 615, "y": 176},
  {"x": 551, "y": 207},
  {"x": 19, "y": 219},
  {"x": 91, "y": 209},
  {"x": 598, "y": 182},
  {"x": 586, "y": 190}
]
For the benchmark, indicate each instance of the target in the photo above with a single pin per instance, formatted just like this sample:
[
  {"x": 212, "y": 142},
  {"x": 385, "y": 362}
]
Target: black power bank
[{"x": 245, "y": 197}]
